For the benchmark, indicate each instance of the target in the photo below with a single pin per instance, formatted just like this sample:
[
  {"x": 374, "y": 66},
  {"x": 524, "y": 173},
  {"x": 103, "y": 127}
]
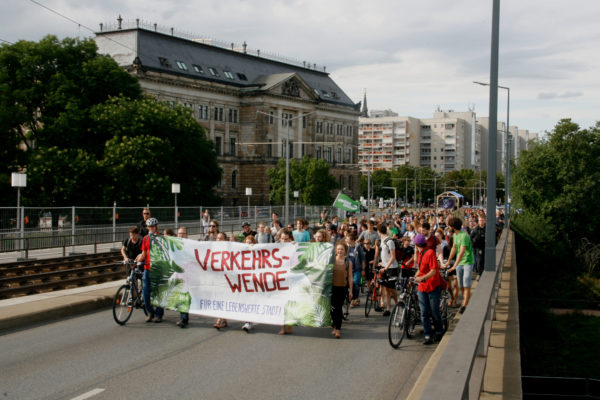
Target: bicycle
[
  {"x": 128, "y": 296},
  {"x": 346, "y": 308},
  {"x": 405, "y": 315},
  {"x": 373, "y": 294},
  {"x": 444, "y": 300}
]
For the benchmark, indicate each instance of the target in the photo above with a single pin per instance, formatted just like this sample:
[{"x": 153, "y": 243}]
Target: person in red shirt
[
  {"x": 152, "y": 225},
  {"x": 429, "y": 290}
]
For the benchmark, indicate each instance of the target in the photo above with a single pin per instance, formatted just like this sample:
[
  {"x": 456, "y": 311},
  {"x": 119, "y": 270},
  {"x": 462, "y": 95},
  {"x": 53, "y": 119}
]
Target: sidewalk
[{"x": 20, "y": 312}]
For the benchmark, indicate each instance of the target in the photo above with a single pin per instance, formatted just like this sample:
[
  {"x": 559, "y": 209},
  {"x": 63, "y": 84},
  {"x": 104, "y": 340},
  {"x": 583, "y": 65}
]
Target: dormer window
[
  {"x": 181, "y": 65},
  {"x": 164, "y": 62},
  {"x": 228, "y": 74},
  {"x": 213, "y": 71},
  {"x": 198, "y": 68},
  {"x": 242, "y": 77}
]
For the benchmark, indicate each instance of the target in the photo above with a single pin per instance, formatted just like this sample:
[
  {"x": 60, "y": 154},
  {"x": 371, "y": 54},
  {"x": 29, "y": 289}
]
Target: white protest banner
[{"x": 277, "y": 283}]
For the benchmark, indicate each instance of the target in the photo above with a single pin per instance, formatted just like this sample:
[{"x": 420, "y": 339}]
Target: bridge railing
[{"x": 460, "y": 370}]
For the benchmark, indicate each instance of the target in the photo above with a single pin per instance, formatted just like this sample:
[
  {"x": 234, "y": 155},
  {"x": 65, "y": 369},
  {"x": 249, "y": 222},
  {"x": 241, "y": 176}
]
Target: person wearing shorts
[{"x": 464, "y": 260}]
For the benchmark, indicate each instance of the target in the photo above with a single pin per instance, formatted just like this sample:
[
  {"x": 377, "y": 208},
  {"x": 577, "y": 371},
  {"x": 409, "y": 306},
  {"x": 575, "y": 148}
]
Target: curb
[{"x": 66, "y": 310}]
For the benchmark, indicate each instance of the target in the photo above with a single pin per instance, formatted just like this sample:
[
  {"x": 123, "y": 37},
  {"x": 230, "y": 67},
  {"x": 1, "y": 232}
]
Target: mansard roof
[{"x": 170, "y": 54}]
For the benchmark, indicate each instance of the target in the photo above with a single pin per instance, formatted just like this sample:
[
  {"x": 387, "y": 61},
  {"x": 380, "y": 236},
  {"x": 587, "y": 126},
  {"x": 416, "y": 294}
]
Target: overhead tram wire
[
  {"x": 79, "y": 24},
  {"x": 6, "y": 41}
]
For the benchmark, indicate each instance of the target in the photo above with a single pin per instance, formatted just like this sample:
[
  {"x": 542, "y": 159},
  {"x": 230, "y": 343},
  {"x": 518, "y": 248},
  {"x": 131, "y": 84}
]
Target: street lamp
[
  {"x": 507, "y": 168},
  {"x": 248, "y": 193},
  {"x": 175, "y": 188}
]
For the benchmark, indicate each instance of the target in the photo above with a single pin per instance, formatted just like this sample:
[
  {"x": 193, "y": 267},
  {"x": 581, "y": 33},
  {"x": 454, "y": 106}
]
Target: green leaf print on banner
[
  {"x": 165, "y": 291},
  {"x": 313, "y": 305}
]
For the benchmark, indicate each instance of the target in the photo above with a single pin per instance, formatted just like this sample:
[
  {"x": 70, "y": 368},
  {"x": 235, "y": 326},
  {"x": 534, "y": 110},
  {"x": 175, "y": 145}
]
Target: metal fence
[
  {"x": 460, "y": 369},
  {"x": 26, "y": 229}
]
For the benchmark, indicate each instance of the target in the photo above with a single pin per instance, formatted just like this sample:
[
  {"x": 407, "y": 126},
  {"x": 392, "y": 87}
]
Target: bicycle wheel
[
  {"x": 411, "y": 320},
  {"x": 444, "y": 311},
  {"x": 397, "y": 325},
  {"x": 346, "y": 309},
  {"x": 123, "y": 305},
  {"x": 139, "y": 300},
  {"x": 369, "y": 300}
]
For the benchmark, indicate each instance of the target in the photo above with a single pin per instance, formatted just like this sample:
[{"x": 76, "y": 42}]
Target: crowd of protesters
[{"x": 395, "y": 245}]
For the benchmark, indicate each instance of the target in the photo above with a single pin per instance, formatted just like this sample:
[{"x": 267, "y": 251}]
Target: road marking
[{"x": 88, "y": 394}]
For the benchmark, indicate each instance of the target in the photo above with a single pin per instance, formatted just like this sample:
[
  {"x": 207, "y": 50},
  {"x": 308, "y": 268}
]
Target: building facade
[{"x": 249, "y": 105}]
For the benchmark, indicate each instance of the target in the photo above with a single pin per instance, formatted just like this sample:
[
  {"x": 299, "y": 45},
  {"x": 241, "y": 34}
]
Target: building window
[
  {"x": 218, "y": 145},
  {"x": 342, "y": 182},
  {"x": 318, "y": 152},
  {"x": 220, "y": 183},
  {"x": 291, "y": 146},
  {"x": 328, "y": 154},
  {"x": 233, "y": 115},
  {"x": 350, "y": 183},
  {"x": 198, "y": 68},
  {"x": 181, "y": 65},
  {"x": 303, "y": 151},
  {"x": 232, "y": 146},
  {"x": 203, "y": 112},
  {"x": 286, "y": 119},
  {"x": 234, "y": 179},
  {"x": 270, "y": 148},
  {"x": 349, "y": 156},
  {"x": 319, "y": 127},
  {"x": 242, "y": 77},
  {"x": 218, "y": 114},
  {"x": 228, "y": 74},
  {"x": 213, "y": 71},
  {"x": 164, "y": 62},
  {"x": 271, "y": 119},
  {"x": 338, "y": 157},
  {"x": 304, "y": 122}
]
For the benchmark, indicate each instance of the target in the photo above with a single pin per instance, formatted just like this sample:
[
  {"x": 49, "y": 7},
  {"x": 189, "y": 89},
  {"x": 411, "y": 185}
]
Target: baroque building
[{"x": 248, "y": 104}]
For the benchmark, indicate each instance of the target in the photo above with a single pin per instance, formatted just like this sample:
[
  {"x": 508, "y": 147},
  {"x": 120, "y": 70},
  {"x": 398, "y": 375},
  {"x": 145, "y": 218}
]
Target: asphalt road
[{"x": 90, "y": 356}]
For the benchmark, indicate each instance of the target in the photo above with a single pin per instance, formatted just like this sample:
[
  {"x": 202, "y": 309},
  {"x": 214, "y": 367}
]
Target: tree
[
  {"x": 556, "y": 183},
  {"x": 48, "y": 88},
  {"x": 181, "y": 153},
  {"x": 309, "y": 176},
  {"x": 63, "y": 177}
]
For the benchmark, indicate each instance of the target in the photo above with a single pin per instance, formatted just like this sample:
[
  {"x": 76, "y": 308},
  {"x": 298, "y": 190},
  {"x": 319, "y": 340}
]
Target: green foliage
[
  {"x": 49, "y": 86},
  {"x": 62, "y": 177},
  {"x": 175, "y": 149},
  {"x": 137, "y": 169},
  {"x": 309, "y": 176},
  {"x": 89, "y": 134},
  {"x": 557, "y": 182}
]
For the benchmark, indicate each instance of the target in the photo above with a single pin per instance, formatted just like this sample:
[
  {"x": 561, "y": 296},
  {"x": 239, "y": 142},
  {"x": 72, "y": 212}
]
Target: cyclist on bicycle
[
  {"x": 152, "y": 224},
  {"x": 132, "y": 246}
]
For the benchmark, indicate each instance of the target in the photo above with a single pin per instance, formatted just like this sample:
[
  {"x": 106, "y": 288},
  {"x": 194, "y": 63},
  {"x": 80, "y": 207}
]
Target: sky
[{"x": 410, "y": 56}]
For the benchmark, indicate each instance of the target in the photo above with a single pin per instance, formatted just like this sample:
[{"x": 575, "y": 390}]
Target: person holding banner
[
  {"x": 152, "y": 225},
  {"x": 342, "y": 280},
  {"x": 221, "y": 322},
  {"x": 285, "y": 236}
]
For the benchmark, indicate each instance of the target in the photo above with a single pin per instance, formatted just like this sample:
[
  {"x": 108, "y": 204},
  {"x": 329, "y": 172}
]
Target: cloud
[{"x": 552, "y": 95}]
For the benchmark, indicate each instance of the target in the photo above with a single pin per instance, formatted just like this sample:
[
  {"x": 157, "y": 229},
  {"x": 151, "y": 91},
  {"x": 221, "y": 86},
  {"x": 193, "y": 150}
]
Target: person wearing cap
[
  {"x": 152, "y": 224},
  {"x": 246, "y": 230},
  {"x": 429, "y": 290}
]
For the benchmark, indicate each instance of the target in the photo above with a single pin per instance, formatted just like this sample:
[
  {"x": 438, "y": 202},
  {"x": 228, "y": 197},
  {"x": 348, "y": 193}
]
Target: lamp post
[
  {"x": 248, "y": 193},
  {"x": 176, "y": 188},
  {"x": 507, "y": 145}
]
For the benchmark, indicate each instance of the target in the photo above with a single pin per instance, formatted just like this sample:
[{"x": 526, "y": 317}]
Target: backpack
[{"x": 398, "y": 250}]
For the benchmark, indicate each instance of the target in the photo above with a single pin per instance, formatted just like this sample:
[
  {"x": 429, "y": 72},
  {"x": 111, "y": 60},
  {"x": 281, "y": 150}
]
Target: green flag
[{"x": 346, "y": 203}]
